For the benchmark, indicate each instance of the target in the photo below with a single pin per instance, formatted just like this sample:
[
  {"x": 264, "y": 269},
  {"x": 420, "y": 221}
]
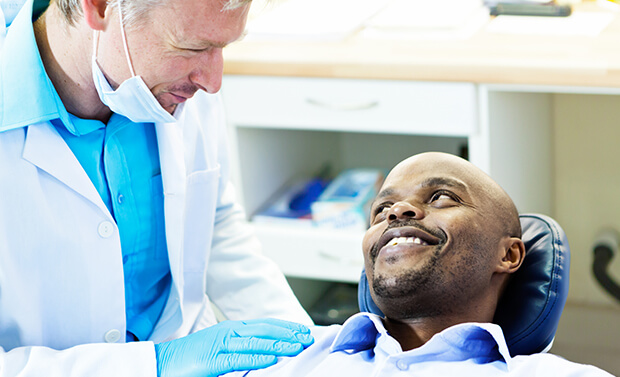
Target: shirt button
[
  {"x": 120, "y": 198},
  {"x": 105, "y": 229},
  {"x": 112, "y": 336},
  {"x": 402, "y": 365}
]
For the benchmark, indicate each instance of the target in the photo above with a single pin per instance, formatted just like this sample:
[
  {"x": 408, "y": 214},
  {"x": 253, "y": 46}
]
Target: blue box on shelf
[
  {"x": 345, "y": 202},
  {"x": 291, "y": 205}
]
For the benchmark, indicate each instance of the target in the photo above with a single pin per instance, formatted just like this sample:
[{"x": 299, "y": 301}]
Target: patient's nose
[{"x": 403, "y": 211}]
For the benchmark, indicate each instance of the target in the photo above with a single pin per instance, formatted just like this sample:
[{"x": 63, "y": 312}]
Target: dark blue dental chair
[{"x": 534, "y": 298}]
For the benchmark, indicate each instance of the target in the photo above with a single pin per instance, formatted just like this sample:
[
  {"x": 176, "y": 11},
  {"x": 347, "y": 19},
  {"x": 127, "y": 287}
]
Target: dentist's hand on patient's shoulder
[{"x": 230, "y": 346}]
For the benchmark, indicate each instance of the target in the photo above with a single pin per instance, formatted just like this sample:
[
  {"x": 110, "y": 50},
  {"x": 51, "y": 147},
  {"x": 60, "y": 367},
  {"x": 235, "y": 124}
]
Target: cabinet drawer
[
  {"x": 314, "y": 253},
  {"x": 403, "y": 107}
]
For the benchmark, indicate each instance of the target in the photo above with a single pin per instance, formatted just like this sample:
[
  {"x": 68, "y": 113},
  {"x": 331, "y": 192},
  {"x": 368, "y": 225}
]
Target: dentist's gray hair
[{"x": 134, "y": 11}]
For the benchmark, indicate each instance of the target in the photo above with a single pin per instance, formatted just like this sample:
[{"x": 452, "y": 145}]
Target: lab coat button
[
  {"x": 120, "y": 198},
  {"x": 112, "y": 336},
  {"x": 402, "y": 365},
  {"x": 106, "y": 229}
]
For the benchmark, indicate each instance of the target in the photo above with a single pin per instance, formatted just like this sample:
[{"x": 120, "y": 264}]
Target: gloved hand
[{"x": 230, "y": 346}]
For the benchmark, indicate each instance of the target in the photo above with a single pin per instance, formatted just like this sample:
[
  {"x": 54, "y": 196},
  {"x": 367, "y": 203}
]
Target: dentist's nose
[
  {"x": 404, "y": 211},
  {"x": 208, "y": 75}
]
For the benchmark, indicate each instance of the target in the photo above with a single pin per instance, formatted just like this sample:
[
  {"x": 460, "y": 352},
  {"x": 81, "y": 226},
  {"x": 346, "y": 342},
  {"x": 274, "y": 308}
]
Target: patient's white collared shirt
[{"x": 362, "y": 347}]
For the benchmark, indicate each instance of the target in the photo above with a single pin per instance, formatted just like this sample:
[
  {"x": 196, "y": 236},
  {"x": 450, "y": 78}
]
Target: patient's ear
[{"x": 512, "y": 255}]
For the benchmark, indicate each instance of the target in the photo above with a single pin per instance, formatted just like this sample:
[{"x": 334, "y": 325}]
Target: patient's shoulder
[
  {"x": 548, "y": 364},
  {"x": 304, "y": 362},
  {"x": 325, "y": 333}
]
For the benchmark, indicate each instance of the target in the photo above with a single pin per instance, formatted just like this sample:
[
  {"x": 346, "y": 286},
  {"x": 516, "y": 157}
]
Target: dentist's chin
[{"x": 170, "y": 101}]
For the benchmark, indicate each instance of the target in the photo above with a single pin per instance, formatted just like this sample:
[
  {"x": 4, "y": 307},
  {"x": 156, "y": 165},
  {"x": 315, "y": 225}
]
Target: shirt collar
[
  {"x": 27, "y": 95},
  {"x": 481, "y": 341},
  {"x": 359, "y": 332}
]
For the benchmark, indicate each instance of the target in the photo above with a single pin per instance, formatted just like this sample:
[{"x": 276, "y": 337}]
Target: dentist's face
[
  {"x": 177, "y": 51},
  {"x": 431, "y": 236}
]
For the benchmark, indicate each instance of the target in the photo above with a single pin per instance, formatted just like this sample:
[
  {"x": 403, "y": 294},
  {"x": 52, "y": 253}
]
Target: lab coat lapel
[
  {"x": 171, "y": 156},
  {"x": 47, "y": 150}
]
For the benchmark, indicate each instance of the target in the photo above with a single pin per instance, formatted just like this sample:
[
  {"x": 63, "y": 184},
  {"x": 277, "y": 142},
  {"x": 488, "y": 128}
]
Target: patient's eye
[
  {"x": 380, "y": 211},
  {"x": 444, "y": 198}
]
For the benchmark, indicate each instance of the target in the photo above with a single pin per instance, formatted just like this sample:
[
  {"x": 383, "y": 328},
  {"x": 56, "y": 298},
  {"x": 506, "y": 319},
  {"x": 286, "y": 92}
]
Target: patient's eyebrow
[
  {"x": 443, "y": 181},
  {"x": 381, "y": 195},
  {"x": 384, "y": 193}
]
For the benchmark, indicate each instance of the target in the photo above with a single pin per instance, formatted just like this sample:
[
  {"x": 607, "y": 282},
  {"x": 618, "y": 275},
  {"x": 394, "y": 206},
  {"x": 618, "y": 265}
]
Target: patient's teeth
[{"x": 407, "y": 240}]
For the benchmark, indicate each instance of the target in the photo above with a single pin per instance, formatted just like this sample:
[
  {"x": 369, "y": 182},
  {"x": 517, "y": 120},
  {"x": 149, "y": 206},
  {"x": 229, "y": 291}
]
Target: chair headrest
[{"x": 534, "y": 298}]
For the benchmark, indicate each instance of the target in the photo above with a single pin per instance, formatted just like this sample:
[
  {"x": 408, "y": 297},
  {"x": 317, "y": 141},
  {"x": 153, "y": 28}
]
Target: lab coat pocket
[{"x": 201, "y": 204}]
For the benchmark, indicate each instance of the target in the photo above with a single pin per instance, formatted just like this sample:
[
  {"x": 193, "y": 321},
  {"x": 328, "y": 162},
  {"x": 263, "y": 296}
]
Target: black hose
[{"x": 603, "y": 255}]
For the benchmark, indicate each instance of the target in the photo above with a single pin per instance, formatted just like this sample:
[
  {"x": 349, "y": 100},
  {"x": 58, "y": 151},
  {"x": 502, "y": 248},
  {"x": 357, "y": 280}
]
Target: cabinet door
[{"x": 377, "y": 106}]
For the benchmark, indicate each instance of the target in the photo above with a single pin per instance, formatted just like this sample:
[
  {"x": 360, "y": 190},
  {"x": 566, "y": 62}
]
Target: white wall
[{"x": 587, "y": 200}]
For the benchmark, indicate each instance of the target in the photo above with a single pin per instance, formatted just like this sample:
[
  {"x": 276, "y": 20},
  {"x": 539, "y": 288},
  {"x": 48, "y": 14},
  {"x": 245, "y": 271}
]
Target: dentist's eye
[
  {"x": 197, "y": 50},
  {"x": 192, "y": 51}
]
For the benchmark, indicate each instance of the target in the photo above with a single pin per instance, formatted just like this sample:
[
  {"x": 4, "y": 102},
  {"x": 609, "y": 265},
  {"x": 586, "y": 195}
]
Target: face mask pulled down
[{"x": 132, "y": 99}]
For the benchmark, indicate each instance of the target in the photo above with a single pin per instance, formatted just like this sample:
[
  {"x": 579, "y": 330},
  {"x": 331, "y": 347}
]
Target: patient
[{"x": 443, "y": 241}]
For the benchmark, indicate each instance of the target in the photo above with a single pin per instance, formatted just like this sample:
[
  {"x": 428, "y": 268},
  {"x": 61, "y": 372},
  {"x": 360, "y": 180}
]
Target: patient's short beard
[{"x": 410, "y": 295}]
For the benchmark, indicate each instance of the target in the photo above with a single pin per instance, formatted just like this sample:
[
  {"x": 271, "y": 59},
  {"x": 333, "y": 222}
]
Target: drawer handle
[{"x": 351, "y": 106}]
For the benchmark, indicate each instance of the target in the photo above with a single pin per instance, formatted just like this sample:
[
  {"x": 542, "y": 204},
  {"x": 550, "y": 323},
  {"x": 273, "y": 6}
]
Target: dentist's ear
[
  {"x": 512, "y": 255},
  {"x": 96, "y": 13}
]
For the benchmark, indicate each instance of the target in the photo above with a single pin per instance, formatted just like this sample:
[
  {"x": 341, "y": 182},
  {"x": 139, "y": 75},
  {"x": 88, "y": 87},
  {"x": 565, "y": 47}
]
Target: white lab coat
[{"x": 61, "y": 268}]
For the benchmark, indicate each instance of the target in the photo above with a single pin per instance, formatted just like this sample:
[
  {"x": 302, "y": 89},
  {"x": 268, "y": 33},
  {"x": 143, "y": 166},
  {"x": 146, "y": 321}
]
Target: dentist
[{"x": 116, "y": 211}]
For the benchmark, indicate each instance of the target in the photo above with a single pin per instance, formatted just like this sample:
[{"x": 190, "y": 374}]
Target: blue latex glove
[{"x": 230, "y": 346}]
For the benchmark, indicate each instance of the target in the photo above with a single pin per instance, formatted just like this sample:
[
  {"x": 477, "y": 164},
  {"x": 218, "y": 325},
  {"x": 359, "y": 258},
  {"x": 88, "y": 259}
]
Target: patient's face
[{"x": 431, "y": 236}]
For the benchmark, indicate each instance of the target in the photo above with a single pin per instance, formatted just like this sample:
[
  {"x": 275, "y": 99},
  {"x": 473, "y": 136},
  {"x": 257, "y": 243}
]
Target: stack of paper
[
  {"x": 423, "y": 19},
  {"x": 589, "y": 24},
  {"x": 314, "y": 19}
]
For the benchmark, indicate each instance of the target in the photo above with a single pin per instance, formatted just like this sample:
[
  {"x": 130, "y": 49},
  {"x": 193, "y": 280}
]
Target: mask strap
[
  {"x": 95, "y": 43},
  {"x": 120, "y": 17}
]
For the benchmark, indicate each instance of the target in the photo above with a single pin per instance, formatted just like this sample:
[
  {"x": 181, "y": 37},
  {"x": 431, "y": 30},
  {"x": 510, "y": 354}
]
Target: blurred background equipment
[
  {"x": 338, "y": 303},
  {"x": 605, "y": 248},
  {"x": 529, "y": 8}
]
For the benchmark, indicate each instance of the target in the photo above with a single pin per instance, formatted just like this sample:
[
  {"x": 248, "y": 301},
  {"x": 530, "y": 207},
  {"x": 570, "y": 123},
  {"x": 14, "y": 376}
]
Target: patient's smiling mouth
[{"x": 403, "y": 238}]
